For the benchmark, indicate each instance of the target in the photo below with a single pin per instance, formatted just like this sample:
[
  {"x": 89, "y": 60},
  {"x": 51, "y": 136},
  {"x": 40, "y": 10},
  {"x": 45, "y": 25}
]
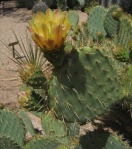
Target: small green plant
[{"x": 39, "y": 6}]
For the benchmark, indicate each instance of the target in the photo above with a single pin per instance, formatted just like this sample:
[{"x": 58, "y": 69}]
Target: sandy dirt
[{"x": 10, "y": 20}]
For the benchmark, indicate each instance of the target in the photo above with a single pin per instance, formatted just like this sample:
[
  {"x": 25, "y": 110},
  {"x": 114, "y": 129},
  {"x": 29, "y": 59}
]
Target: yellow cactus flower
[{"x": 50, "y": 29}]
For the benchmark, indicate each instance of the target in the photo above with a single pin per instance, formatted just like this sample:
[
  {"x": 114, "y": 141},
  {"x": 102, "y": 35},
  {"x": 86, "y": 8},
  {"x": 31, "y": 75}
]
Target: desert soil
[{"x": 13, "y": 19}]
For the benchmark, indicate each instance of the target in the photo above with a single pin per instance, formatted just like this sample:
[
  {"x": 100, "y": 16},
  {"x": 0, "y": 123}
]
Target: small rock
[{"x": 40, "y": 6}]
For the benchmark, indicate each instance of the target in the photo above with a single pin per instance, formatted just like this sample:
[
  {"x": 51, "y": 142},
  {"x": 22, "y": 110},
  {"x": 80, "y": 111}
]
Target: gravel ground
[{"x": 8, "y": 75}]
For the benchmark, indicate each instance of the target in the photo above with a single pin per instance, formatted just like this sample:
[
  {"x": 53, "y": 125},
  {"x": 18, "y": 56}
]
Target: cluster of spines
[{"x": 33, "y": 99}]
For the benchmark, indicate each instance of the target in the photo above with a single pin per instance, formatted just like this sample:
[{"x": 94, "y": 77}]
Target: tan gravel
[{"x": 13, "y": 21}]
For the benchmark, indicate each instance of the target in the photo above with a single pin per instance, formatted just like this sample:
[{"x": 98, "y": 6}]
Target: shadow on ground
[{"x": 10, "y": 10}]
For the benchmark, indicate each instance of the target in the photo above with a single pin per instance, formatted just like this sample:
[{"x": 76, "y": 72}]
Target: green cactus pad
[
  {"x": 41, "y": 143},
  {"x": 26, "y": 120},
  {"x": 81, "y": 35},
  {"x": 62, "y": 147},
  {"x": 54, "y": 129},
  {"x": 73, "y": 18},
  {"x": 95, "y": 22},
  {"x": 81, "y": 3},
  {"x": 125, "y": 32},
  {"x": 33, "y": 100},
  {"x": 37, "y": 80},
  {"x": 110, "y": 24},
  {"x": 127, "y": 81},
  {"x": 121, "y": 54},
  {"x": 7, "y": 143},
  {"x": 73, "y": 129},
  {"x": 36, "y": 102},
  {"x": 85, "y": 86},
  {"x": 12, "y": 126},
  {"x": 104, "y": 140}
]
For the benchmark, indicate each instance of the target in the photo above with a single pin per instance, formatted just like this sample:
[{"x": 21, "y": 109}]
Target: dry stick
[
  {"x": 13, "y": 47},
  {"x": 11, "y": 79}
]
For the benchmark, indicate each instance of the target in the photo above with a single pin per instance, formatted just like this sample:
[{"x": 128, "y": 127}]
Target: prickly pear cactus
[
  {"x": 73, "y": 129},
  {"x": 89, "y": 5},
  {"x": 32, "y": 99},
  {"x": 95, "y": 22},
  {"x": 37, "y": 79},
  {"x": 111, "y": 25},
  {"x": 127, "y": 81},
  {"x": 81, "y": 3},
  {"x": 104, "y": 140},
  {"x": 73, "y": 18},
  {"x": 78, "y": 92},
  {"x": 124, "y": 4},
  {"x": 117, "y": 14},
  {"x": 125, "y": 32},
  {"x": 32, "y": 75},
  {"x": 41, "y": 143},
  {"x": 27, "y": 122},
  {"x": 54, "y": 129},
  {"x": 11, "y": 125},
  {"x": 7, "y": 143},
  {"x": 122, "y": 54},
  {"x": 80, "y": 36}
]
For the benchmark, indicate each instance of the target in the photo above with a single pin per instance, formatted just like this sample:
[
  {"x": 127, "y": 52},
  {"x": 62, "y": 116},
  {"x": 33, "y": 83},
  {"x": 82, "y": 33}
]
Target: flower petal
[
  {"x": 38, "y": 40},
  {"x": 50, "y": 29}
]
